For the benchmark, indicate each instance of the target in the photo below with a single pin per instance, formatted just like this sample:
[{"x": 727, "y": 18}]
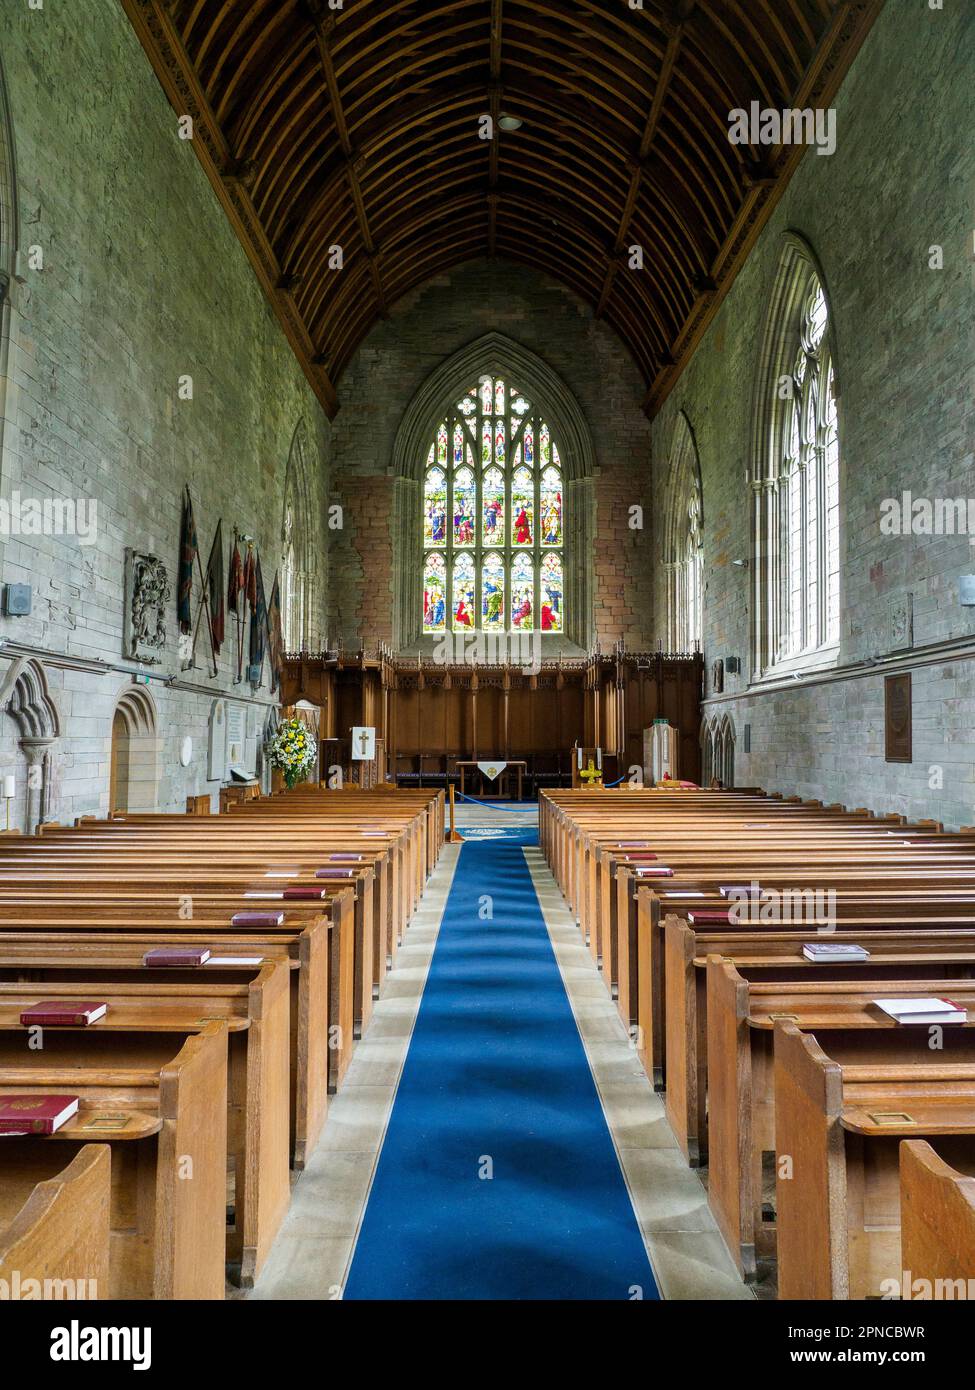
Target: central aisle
[{"x": 498, "y": 1178}]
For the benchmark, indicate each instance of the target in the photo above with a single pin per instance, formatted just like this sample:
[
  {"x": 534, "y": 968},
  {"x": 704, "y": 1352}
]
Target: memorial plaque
[{"x": 897, "y": 718}]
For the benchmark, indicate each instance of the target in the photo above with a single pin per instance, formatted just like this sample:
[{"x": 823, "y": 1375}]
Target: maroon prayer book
[
  {"x": 717, "y": 918},
  {"x": 334, "y": 873},
  {"x": 657, "y": 872},
  {"x": 350, "y": 858},
  {"x": 257, "y": 919},
  {"x": 63, "y": 1013},
  {"x": 177, "y": 955},
  {"x": 35, "y": 1114},
  {"x": 304, "y": 893},
  {"x": 640, "y": 855}
]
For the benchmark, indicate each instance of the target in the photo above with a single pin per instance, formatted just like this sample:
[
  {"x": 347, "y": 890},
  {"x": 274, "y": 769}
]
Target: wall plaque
[
  {"x": 897, "y": 718},
  {"x": 146, "y": 594}
]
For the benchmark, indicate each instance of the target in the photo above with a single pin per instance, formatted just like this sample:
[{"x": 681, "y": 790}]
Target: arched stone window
[
  {"x": 298, "y": 567},
  {"x": 684, "y": 542},
  {"x": 796, "y": 475},
  {"x": 492, "y": 516},
  {"x": 494, "y": 464}
]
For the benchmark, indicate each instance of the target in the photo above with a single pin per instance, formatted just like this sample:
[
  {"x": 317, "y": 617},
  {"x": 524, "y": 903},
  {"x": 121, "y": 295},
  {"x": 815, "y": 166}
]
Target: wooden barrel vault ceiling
[{"x": 359, "y": 124}]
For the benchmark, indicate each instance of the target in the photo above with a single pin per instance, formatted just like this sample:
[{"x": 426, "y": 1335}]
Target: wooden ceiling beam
[
  {"x": 323, "y": 22},
  {"x": 356, "y": 129},
  {"x": 683, "y": 13}
]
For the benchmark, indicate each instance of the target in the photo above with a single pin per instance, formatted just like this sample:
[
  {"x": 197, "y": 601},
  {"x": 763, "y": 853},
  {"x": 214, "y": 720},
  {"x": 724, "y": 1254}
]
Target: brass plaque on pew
[
  {"x": 890, "y": 1117},
  {"x": 108, "y": 1122},
  {"x": 786, "y": 1018}
]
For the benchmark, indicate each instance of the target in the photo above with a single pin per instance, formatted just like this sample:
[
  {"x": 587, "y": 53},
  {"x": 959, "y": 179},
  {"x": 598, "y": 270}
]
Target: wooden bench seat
[
  {"x": 841, "y": 1125},
  {"x": 255, "y": 1014},
  {"x": 937, "y": 1224},
  {"x": 899, "y": 952},
  {"x": 54, "y": 1231},
  {"x": 328, "y": 977},
  {"x": 103, "y": 958},
  {"x": 742, "y": 1120},
  {"x": 158, "y": 1101}
]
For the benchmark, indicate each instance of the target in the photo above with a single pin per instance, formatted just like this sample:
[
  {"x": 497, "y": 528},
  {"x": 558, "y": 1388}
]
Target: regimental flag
[
  {"x": 218, "y": 621},
  {"x": 188, "y": 552},
  {"x": 275, "y": 635},
  {"x": 258, "y": 616},
  {"x": 250, "y": 578},
  {"x": 235, "y": 586}
]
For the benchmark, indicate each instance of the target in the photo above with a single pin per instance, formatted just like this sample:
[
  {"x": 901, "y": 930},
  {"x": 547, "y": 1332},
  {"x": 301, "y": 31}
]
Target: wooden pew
[
  {"x": 325, "y": 1003},
  {"x": 58, "y": 1237},
  {"x": 900, "y": 952},
  {"x": 841, "y": 1127},
  {"x": 742, "y": 1116},
  {"x": 100, "y": 956},
  {"x": 937, "y": 1224},
  {"x": 158, "y": 1102},
  {"x": 255, "y": 1014}
]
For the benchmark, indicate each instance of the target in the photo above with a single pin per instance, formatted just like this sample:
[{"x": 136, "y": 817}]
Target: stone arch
[
  {"x": 298, "y": 561},
  {"x": 718, "y": 741},
  {"x": 496, "y": 354},
  {"x": 797, "y": 261},
  {"x": 38, "y": 724},
  {"x": 134, "y": 762},
  {"x": 683, "y": 529}
]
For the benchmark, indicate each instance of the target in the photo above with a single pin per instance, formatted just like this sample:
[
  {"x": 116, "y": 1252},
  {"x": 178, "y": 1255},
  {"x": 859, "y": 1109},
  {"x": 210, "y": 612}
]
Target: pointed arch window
[
  {"x": 797, "y": 482},
  {"x": 684, "y": 543},
  {"x": 493, "y": 523}
]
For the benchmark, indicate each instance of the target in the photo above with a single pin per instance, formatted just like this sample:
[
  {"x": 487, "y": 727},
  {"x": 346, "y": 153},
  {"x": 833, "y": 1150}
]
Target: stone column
[{"x": 37, "y": 752}]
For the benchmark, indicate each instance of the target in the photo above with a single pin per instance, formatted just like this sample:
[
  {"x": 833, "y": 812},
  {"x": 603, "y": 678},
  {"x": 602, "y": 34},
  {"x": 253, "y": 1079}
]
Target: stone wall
[
  {"x": 142, "y": 283},
  {"x": 900, "y": 182}
]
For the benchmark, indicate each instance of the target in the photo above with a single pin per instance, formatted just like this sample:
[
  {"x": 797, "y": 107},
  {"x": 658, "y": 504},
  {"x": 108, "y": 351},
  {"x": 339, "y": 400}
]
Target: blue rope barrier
[{"x": 494, "y": 805}]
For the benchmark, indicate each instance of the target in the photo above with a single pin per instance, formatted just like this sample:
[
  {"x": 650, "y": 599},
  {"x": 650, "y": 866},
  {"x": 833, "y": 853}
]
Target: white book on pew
[
  {"x": 923, "y": 1010},
  {"x": 235, "y": 960},
  {"x": 826, "y": 952}
]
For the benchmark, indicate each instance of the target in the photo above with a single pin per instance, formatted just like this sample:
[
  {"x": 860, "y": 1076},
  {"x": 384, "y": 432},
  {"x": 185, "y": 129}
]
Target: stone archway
[
  {"x": 134, "y": 763},
  {"x": 34, "y": 713}
]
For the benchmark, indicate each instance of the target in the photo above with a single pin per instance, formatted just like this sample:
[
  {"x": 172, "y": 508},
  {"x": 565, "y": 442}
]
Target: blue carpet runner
[{"x": 496, "y": 1074}]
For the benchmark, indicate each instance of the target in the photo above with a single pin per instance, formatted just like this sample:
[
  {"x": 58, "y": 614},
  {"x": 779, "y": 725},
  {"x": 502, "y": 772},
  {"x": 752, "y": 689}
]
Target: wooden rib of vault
[{"x": 358, "y": 128}]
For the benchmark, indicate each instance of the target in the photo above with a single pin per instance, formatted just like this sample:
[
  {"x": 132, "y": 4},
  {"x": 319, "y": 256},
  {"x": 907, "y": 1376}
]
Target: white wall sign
[{"x": 217, "y": 742}]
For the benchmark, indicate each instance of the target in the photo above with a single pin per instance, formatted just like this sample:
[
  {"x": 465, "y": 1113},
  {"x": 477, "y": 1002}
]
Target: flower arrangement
[{"x": 293, "y": 751}]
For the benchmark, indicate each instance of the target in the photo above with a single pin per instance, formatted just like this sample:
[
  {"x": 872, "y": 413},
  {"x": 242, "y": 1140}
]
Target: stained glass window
[
  {"x": 434, "y": 594},
  {"x": 464, "y": 495},
  {"x": 463, "y": 600},
  {"x": 551, "y": 609},
  {"x": 522, "y": 594},
  {"x": 493, "y": 516}
]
